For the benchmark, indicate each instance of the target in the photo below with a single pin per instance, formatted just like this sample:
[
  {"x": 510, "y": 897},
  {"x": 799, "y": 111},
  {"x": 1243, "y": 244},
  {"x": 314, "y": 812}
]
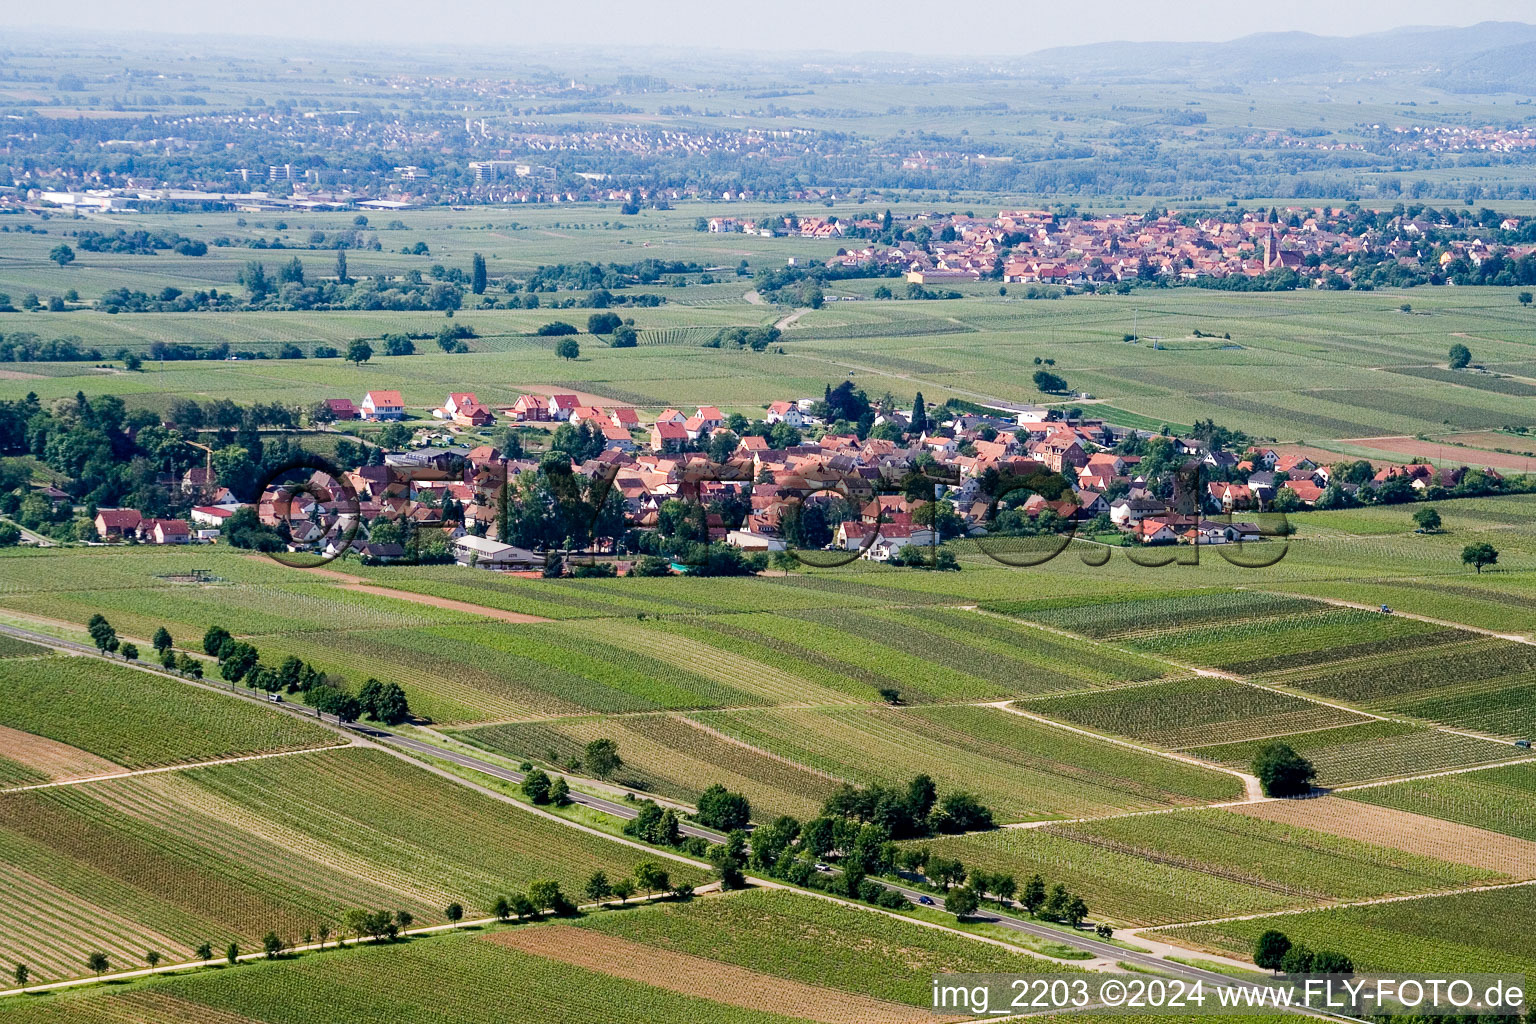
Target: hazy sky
[{"x": 988, "y": 26}]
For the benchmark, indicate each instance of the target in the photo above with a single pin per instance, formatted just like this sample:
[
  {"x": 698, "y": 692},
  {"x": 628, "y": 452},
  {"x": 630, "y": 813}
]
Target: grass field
[
  {"x": 1480, "y": 931},
  {"x": 229, "y": 852},
  {"x": 138, "y": 720}
]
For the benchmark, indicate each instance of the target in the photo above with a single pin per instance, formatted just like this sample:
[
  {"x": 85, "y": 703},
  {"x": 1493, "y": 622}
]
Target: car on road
[
  {"x": 823, "y": 867},
  {"x": 275, "y": 698},
  {"x": 926, "y": 901}
]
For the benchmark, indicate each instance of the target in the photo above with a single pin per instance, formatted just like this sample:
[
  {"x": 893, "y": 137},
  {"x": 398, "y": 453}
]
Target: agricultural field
[
  {"x": 1195, "y": 865},
  {"x": 1382, "y": 663},
  {"x": 465, "y": 977},
  {"x": 1475, "y": 931},
  {"x": 86, "y": 717},
  {"x": 227, "y": 853},
  {"x": 476, "y": 671},
  {"x": 1193, "y": 712},
  {"x": 1497, "y": 799},
  {"x": 717, "y": 959},
  {"x": 1300, "y": 367},
  {"x": 1022, "y": 769},
  {"x": 788, "y": 761},
  {"x": 1373, "y": 749},
  {"x": 1510, "y": 856}
]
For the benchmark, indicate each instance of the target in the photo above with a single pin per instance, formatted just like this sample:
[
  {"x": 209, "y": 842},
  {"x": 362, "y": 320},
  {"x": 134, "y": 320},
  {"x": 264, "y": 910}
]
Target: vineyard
[
  {"x": 1371, "y": 750},
  {"x": 1509, "y": 856},
  {"x": 769, "y": 931},
  {"x": 1124, "y": 616},
  {"x": 1382, "y": 663},
  {"x": 463, "y": 978},
  {"x": 229, "y": 852},
  {"x": 1192, "y": 712},
  {"x": 1477, "y": 931},
  {"x": 669, "y": 756},
  {"x": 1120, "y": 886},
  {"x": 249, "y": 609},
  {"x": 1159, "y": 868},
  {"x": 1021, "y": 769},
  {"x": 1498, "y": 799},
  {"x": 138, "y": 720}
]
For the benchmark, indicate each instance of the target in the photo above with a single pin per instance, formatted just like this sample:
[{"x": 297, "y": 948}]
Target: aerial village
[{"x": 1029, "y": 471}]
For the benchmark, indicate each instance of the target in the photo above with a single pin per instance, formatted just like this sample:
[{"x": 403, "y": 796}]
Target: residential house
[
  {"x": 117, "y": 523},
  {"x": 1155, "y": 531},
  {"x": 214, "y": 516},
  {"x": 383, "y": 406},
  {"x": 165, "y": 531},
  {"x": 785, "y": 412},
  {"x": 561, "y": 406},
  {"x": 341, "y": 408},
  {"x": 617, "y": 438},
  {"x": 1209, "y": 531},
  {"x": 530, "y": 409},
  {"x": 668, "y": 436}
]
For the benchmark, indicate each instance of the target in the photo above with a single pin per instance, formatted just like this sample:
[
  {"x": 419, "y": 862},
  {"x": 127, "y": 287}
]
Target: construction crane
[{"x": 209, "y": 466}]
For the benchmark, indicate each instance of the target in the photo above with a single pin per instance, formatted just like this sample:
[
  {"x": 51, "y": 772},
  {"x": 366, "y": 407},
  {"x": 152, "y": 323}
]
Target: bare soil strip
[
  {"x": 1403, "y": 830},
  {"x": 702, "y": 978},
  {"x": 357, "y": 583},
  {"x": 56, "y": 760},
  {"x": 443, "y": 602}
]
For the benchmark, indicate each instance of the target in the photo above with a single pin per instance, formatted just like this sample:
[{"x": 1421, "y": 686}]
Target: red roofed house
[
  {"x": 1155, "y": 531},
  {"x": 117, "y": 522},
  {"x": 561, "y": 407},
  {"x": 383, "y": 406},
  {"x": 211, "y": 515},
  {"x": 341, "y": 408},
  {"x": 668, "y": 436},
  {"x": 1306, "y": 490},
  {"x": 165, "y": 531},
  {"x": 617, "y": 438},
  {"x": 531, "y": 407},
  {"x": 787, "y": 412},
  {"x": 625, "y": 417},
  {"x": 1060, "y": 451}
]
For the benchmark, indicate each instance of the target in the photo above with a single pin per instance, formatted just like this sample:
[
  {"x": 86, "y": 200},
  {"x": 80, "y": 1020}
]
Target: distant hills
[{"x": 1493, "y": 56}]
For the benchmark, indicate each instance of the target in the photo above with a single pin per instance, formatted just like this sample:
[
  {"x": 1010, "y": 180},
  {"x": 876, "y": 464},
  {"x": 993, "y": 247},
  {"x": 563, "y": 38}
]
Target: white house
[
  {"x": 785, "y": 412},
  {"x": 383, "y": 406}
]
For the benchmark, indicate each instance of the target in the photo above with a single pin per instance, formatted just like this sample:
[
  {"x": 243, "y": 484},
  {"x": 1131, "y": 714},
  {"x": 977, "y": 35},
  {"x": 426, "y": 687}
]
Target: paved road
[
  {"x": 617, "y": 808},
  {"x": 624, "y": 810}
]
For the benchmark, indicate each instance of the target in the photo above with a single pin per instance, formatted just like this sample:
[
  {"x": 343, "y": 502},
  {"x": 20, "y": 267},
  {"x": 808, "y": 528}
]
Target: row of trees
[
  {"x": 240, "y": 661},
  {"x": 910, "y": 813},
  {"x": 1275, "y": 951},
  {"x": 965, "y": 890}
]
